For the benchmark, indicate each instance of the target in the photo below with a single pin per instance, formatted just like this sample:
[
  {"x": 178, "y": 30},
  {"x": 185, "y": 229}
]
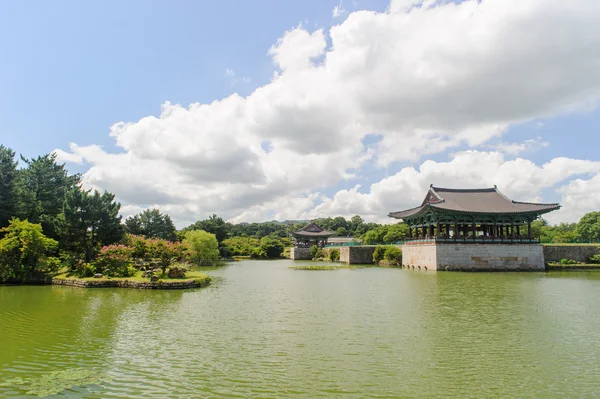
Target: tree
[
  {"x": 8, "y": 176},
  {"x": 589, "y": 226},
  {"x": 91, "y": 221},
  {"x": 355, "y": 223},
  {"x": 23, "y": 250},
  {"x": 41, "y": 188},
  {"x": 395, "y": 233},
  {"x": 214, "y": 225},
  {"x": 166, "y": 252},
  {"x": 201, "y": 246},
  {"x": 271, "y": 247},
  {"x": 152, "y": 224}
]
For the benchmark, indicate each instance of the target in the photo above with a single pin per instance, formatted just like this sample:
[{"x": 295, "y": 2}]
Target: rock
[
  {"x": 98, "y": 275},
  {"x": 154, "y": 279},
  {"x": 176, "y": 272}
]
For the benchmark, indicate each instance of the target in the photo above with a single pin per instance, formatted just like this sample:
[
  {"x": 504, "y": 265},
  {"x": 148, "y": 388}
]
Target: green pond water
[{"x": 263, "y": 330}]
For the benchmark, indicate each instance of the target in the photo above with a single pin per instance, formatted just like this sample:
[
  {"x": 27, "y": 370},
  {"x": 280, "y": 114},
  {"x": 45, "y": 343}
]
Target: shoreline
[{"x": 121, "y": 283}]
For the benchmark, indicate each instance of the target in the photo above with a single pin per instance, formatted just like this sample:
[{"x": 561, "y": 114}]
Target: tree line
[{"x": 47, "y": 219}]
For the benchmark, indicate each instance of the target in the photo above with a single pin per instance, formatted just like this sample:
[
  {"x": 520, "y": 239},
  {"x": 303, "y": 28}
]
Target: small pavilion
[
  {"x": 310, "y": 235},
  {"x": 469, "y": 215}
]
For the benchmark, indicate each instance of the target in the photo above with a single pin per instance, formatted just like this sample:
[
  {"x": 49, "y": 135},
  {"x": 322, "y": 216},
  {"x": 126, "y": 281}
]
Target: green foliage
[
  {"x": 568, "y": 262},
  {"x": 334, "y": 254},
  {"x": 314, "y": 250},
  {"x": 270, "y": 247},
  {"x": 41, "y": 190},
  {"x": 589, "y": 226},
  {"x": 166, "y": 252},
  {"x": 8, "y": 180},
  {"x": 151, "y": 224},
  {"x": 23, "y": 250},
  {"x": 595, "y": 259},
  {"x": 378, "y": 254},
  {"x": 241, "y": 246},
  {"x": 139, "y": 246},
  {"x": 201, "y": 246},
  {"x": 214, "y": 225},
  {"x": 83, "y": 269},
  {"x": 91, "y": 220},
  {"x": 55, "y": 382},
  {"x": 115, "y": 260},
  {"x": 396, "y": 233},
  {"x": 393, "y": 255}
]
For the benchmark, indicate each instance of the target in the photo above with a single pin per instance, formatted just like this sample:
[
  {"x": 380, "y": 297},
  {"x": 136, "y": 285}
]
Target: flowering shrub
[
  {"x": 139, "y": 246},
  {"x": 115, "y": 260},
  {"x": 166, "y": 252}
]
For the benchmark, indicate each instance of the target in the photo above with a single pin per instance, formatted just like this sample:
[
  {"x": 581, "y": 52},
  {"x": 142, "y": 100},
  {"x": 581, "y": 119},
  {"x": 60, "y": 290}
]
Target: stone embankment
[
  {"x": 579, "y": 253},
  {"x": 159, "y": 285}
]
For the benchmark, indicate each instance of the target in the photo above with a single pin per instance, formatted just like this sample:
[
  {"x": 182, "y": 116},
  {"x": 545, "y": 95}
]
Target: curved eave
[{"x": 550, "y": 208}]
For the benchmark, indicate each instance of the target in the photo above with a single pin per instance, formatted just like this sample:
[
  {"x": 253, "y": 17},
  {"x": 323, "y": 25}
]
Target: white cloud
[
  {"x": 234, "y": 79},
  {"x": 518, "y": 148},
  {"x": 339, "y": 10},
  {"x": 427, "y": 79}
]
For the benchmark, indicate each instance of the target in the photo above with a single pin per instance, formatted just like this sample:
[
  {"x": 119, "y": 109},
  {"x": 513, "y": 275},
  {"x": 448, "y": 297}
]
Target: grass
[
  {"x": 138, "y": 277},
  {"x": 577, "y": 266},
  {"x": 571, "y": 244}
]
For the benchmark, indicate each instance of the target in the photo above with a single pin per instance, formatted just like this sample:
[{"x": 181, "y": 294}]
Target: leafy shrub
[
  {"x": 84, "y": 270},
  {"x": 166, "y": 252},
  {"x": 334, "y": 254},
  {"x": 271, "y": 247},
  {"x": 378, "y": 254},
  {"x": 568, "y": 262},
  {"x": 595, "y": 259},
  {"x": 314, "y": 250},
  {"x": 393, "y": 255},
  {"x": 52, "y": 264},
  {"x": 115, "y": 260},
  {"x": 23, "y": 250},
  {"x": 139, "y": 246}
]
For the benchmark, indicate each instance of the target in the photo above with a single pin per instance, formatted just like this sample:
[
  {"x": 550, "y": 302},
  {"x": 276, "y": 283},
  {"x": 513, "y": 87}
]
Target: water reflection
[{"x": 265, "y": 330}]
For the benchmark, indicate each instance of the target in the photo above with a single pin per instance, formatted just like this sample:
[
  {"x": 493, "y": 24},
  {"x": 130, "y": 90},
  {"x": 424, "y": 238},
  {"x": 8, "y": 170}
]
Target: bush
[
  {"x": 393, "y": 255},
  {"x": 115, "y": 260},
  {"x": 568, "y": 262},
  {"x": 166, "y": 252},
  {"x": 378, "y": 254},
  {"x": 334, "y": 254},
  {"x": 271, "y": 247},
  {"x": 85, "y": 270},
  {"x": 313, "y": 251},
  {"x": 201, "y": 246},
  {"x": 595, "y": 259},
  {"x": 52, "y": 264}
]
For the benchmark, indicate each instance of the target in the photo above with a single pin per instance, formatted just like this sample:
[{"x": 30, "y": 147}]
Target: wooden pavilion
[
  {"x": 310, "y": 235},
  {"x": 469, "y": 215}
]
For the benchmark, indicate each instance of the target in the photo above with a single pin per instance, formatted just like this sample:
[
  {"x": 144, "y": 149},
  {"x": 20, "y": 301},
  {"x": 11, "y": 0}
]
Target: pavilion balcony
[{"x": 473, "y": 240}]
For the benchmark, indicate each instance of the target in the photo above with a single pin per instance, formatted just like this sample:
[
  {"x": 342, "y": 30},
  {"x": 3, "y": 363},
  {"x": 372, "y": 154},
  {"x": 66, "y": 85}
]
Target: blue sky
[{"x": 73, "y": 69}]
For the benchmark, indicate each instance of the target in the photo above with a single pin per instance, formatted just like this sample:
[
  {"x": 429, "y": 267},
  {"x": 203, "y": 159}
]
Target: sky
[{"x": 269, "y": 110}]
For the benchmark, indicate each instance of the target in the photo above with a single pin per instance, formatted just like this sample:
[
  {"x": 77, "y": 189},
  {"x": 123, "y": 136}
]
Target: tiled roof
[
  {"x": 313, "y": 230},
  {"x": 483, "y": 200}
]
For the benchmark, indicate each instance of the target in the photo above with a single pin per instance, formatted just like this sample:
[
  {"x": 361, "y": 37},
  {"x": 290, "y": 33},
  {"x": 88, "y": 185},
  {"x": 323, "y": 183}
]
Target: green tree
[
  {"x": 91, "y": 221},
  {"x": 8, "y": 176},
  {"x": 393, "y": 255},
  {"x": 271, "y": 247},
  {"x": 588, "y": 227},
  {"x": 23, "y": 250},
  {"x": 201, "y": 246},
  {"x": 151, "y": 223},
  {"x": 214, "y": 225},
  {"x": 395, "y": 233},
  {"x": 41, "y": 189}
]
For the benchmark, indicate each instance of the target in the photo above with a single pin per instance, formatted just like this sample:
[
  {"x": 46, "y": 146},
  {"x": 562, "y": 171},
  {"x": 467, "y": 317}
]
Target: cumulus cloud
[{"x": 426, "y": 76}]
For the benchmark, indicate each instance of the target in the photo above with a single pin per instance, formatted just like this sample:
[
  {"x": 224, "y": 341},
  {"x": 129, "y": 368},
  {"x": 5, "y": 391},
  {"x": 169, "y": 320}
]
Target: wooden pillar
[
  {"x": 512, "y": 229},
  {"x": 455, "y": 230},
  {"x": 409, "y": 232},
  {"x": 448, "y": 229},
  {"x": 518, "y": 231},
  {"x": 431, "y": 230},
  {"x": 529, "y": 230},
  {"x": 465, "y": 230},
  {"x": 438, "y": 229},
  {"x": 494, "y": 230},
  {"x": 474, "y": 230}
]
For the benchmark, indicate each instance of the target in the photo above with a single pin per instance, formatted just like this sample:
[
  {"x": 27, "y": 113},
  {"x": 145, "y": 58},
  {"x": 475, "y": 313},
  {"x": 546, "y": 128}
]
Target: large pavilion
[
  {"x": 472, "y": 229},
  {"x": 472, "y": 215},
  {"x": 310, "y": 235}
]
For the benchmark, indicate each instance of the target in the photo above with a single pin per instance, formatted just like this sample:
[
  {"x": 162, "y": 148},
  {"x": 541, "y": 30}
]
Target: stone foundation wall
[
  {"x": 300, "y": 254},
  {"x": 164, "y": 285},
  {"x": 474, "y": 257},
  {"x": 580, "y": 253},
  {"x": 420, "y": 255},
  {"x": 356, "y": 255}
]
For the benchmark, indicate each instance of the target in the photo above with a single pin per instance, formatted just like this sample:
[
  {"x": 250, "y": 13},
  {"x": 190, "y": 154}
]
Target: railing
[{"x": 477, "y": 240}]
